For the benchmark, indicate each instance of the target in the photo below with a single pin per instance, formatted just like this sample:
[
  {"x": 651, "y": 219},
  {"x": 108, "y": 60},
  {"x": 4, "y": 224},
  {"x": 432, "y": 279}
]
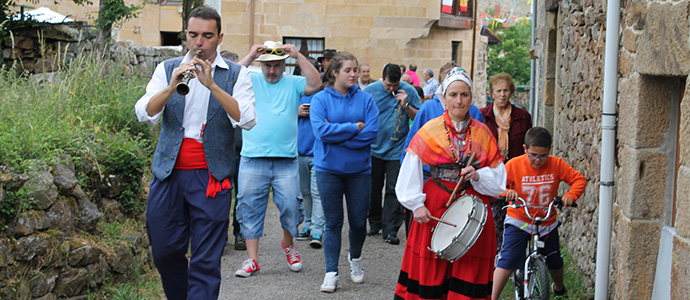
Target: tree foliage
[{"x": 512, "y": 55}]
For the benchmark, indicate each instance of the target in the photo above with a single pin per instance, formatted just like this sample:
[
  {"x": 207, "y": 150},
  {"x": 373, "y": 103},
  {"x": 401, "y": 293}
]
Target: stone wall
[
  {"x": 568, "y": 88},
  {"x": 55, "y": 46},
  {"x": 653, "y": 67},
  {"x": 55, "y": 249}
]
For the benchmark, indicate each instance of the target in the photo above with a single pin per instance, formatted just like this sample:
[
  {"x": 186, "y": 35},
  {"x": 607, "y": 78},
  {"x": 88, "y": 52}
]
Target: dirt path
[{"x": 381, "y": 263}]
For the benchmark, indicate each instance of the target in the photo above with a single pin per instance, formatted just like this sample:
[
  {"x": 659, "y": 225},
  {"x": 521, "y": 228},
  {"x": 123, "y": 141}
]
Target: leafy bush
[
  {"x": 86, "y": 111},
  {"x": 512, "y": 55}
]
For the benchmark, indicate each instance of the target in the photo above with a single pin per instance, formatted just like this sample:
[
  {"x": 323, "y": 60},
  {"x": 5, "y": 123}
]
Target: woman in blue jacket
[{"x": 345, "y": 123}]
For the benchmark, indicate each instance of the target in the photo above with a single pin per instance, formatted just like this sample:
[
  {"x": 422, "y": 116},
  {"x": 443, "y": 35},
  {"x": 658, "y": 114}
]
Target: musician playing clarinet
[
  {"x": 189, "y": 198},
  {"x": 464, "y": 158}
]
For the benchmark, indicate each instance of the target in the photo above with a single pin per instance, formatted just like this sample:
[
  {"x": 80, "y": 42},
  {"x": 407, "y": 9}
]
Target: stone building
[
  {"x": 650, "y": 237},
  {"x": 375, "y": 31}
]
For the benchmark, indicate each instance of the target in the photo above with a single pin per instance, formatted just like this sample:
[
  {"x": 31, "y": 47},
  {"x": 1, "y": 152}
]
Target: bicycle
[{"x": 535, "y": 285}]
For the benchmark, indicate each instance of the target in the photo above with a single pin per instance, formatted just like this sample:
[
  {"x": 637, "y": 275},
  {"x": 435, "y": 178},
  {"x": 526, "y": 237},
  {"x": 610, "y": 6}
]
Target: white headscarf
[{"x": 454, "y": 74}]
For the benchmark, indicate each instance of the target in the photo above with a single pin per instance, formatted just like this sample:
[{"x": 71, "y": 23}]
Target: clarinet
[{"x": 182, "y": 88}]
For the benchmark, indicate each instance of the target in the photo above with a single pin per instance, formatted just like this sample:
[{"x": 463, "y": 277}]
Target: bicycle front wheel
[
  {"x": 518, "y": 285},
  {"x": 538, "y": 285}
]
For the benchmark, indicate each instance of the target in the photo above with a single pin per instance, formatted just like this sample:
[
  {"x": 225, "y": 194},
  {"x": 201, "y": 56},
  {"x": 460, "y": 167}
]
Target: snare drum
[{"x": 451, "y": 243}]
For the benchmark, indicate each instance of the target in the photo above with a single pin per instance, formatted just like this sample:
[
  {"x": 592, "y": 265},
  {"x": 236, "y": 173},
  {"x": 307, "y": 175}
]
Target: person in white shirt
[
  {"x": 189, "y": 198},
  {"x": 430, "y": 84}
]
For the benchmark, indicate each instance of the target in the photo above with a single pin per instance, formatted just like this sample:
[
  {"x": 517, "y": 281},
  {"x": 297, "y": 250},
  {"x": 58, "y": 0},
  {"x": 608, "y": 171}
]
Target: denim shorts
[
  {"x": 256, "y": 178},
  {"x": 515, "y": 242}
]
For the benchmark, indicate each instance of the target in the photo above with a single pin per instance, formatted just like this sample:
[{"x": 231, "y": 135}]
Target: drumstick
[
  {"x": 442, "y": 221},
  {"x": 459, "y": 183}
]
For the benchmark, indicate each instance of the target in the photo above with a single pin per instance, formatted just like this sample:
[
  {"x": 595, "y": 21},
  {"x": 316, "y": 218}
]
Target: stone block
[
  {"x": 577, "y": 19},
  {"x": 626, "y": 63},
  {"x": 682, "y": 217},
  {"x": 28, "y": 222},
  {"x": 666, "y": 50},
  {"x": 64, "y": 213},
  {"x": 352, "y": 21},
  {"x": 635, "y": 14},
  {"x": 629, "y": 39},
  {"x": 42, "y": 282},
  {"x": 230, "y": 7},
  {"x": 5, "y": 252},
  {"x": 25, "y": 43},
  {"x": 347, "y": 9},
  {"x": 71, "y": 282},
  {"x": 417, "y": 12},
  {"x": 121, "y": 259},
  {"x": 635, "y": 262},
  {"x": 83, "y": 256},
  {"x": 28, "y": 248},
  {"x": 641, "y": 183},
  {"x": 370, "y": 10},
  {"x": 644, "y": 104},
  {"x": 549, "y": 87},
  {"x": 680, "y": 270},
  {"x": 392, "y": 11},
  {"x": 684, "y": 129}
]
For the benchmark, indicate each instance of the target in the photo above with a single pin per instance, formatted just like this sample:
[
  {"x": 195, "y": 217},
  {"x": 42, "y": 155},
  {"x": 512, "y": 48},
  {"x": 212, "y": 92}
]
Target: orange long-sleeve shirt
[{"x": 539, "y": 186}]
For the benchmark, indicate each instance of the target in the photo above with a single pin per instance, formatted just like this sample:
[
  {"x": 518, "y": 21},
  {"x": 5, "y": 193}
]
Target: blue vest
[{"x": 218, "y": 134}]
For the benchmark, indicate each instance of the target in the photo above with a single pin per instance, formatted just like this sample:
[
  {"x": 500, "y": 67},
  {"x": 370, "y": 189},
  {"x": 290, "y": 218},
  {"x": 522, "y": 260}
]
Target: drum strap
[{"x": 440, "y": 184}]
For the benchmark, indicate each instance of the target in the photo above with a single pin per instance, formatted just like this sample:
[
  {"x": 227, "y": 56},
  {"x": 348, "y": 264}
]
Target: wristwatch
[{"x": 407, "y": 105}]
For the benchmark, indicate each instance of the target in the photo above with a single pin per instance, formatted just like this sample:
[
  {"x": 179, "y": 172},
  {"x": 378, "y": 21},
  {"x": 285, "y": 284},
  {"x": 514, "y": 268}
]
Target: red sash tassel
[{"x": 191, "y": 157}]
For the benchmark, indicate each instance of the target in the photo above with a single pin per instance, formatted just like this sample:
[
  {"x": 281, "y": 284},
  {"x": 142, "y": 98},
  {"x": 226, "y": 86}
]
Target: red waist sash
[{"x": 191, "y": 157}]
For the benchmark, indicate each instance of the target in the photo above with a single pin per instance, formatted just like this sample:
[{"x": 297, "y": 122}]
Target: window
[
  {"x": 170, "y": 38},
  {"x": 456, "y": 52},
  {"x": 457, "y": 14},
  {"x": 307, "y": 46}
]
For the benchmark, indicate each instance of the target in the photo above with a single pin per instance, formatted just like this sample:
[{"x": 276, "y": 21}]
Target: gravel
[{"x": 381, "y": 262}]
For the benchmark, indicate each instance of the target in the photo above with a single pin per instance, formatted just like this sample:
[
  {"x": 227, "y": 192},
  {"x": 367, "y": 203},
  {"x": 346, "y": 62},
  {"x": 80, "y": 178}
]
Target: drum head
[{"x": 458, "y": 213}]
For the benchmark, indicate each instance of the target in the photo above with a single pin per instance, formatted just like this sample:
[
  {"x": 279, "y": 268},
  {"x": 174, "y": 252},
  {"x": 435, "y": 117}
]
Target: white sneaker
[
  {"x": 330, "y": 281},
  {"x": 356, "y": 270}
]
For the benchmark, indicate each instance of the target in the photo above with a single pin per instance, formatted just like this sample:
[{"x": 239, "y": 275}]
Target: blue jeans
[
  {"x": 356, "y": 188},
  {"x": 313, "y": 211},
  {"x": 256, "y": 178}
]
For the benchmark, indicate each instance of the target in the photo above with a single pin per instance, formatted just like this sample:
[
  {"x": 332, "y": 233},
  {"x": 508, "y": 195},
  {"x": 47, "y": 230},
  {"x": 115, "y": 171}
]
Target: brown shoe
[{"x": 240, "y": 245}]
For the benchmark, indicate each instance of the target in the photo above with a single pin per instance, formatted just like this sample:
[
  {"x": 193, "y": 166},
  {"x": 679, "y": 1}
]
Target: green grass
[
  {"x": 86, "y": 111},
  {"x": 574, "y": 281}
]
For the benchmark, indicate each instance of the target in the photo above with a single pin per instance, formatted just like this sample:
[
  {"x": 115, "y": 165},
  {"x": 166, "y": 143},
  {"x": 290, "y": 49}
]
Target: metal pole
[{"x": 608, "y": 150}]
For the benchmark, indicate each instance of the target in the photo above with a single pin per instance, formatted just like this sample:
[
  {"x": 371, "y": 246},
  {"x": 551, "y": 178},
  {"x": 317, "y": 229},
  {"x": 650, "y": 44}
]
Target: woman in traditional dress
[{"x": 446, "y": 144}]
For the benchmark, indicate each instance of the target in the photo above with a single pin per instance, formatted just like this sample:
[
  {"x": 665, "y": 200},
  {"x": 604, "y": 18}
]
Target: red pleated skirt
[{"x": 423, "y": 276}]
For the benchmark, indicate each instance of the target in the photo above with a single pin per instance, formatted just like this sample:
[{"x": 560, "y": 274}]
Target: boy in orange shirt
[{"x": 534, "y": 177}]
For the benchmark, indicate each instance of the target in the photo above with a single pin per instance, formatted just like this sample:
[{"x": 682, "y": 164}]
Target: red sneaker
[
  {"x": 293, "y": 258},
  {"x": 249, "y": 268}
]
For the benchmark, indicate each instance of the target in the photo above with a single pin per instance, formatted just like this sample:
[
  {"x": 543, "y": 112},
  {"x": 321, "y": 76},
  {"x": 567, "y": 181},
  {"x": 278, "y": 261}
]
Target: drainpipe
[
  {"x": 608, "y": 149},
  {"x": 533, "y": 68}
]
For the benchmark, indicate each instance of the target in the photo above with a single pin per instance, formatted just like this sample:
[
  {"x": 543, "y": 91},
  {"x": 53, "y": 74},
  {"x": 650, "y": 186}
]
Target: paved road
[{"x": 381, "y": 263}]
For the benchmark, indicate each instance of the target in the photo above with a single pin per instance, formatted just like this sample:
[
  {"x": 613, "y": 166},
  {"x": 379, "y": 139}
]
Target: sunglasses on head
[{"x": 276, "y": 51}]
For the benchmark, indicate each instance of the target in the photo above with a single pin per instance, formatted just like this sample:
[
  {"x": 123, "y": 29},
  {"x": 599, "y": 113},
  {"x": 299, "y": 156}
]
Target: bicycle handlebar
[{"x": 557, "y": 201}]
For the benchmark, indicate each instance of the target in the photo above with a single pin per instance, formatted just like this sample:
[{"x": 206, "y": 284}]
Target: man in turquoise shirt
[
  {"x": 398, "y": 103},
  {"x": 269, "y": 150}
]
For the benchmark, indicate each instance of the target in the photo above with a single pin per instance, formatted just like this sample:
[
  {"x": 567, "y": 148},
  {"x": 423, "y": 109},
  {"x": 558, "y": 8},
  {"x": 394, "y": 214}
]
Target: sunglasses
[
  {"x": 276, "y": 51},
  {"x": 534, "y": 156}
]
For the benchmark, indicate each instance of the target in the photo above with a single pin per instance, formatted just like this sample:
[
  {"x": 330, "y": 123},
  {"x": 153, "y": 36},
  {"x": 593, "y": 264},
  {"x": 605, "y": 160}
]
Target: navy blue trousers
[{"x": 178, "y": 215}]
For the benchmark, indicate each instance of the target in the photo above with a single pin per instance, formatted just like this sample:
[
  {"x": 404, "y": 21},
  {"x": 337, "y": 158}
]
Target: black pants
[{"x": 387, "y": 217}]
